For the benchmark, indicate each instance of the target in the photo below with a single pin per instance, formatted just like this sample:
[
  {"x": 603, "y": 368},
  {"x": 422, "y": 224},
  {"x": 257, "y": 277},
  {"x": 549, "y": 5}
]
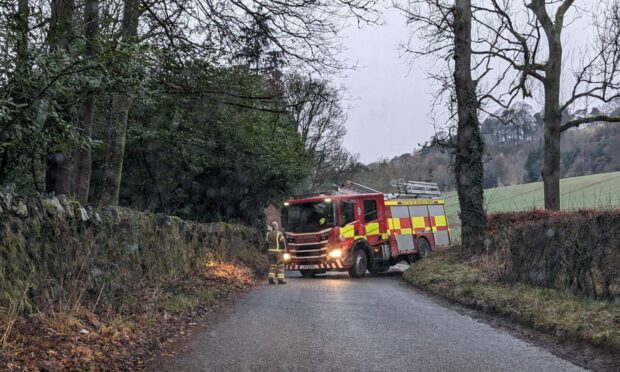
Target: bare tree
[
  {"x": 317, "y": 112},
  {"x": 446, "y": 29},
  {"x": 469, "y": 145},
  {"x": 530, "y": 41}
]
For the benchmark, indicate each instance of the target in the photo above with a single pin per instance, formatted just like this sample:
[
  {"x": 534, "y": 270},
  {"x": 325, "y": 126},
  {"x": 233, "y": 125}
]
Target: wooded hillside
[{"x": 513, "y": 154}]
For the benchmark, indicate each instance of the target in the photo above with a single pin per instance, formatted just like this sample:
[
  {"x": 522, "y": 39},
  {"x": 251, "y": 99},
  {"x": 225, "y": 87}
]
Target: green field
[{"x": 595, "y": 191}]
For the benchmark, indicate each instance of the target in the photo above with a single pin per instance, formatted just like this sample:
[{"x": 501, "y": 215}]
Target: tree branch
[{"x": 590, "y": 119}]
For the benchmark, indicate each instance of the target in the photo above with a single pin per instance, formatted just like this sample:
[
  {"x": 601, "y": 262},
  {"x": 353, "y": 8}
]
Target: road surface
[{"x": 334, "y": 323}]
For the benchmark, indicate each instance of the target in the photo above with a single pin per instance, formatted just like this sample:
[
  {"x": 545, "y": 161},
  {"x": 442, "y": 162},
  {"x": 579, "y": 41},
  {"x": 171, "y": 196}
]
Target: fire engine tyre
[
  {"x": 360, "y": 264},
  {"x": 424, "y": 249},
  {"x": 308, "y": 273}
]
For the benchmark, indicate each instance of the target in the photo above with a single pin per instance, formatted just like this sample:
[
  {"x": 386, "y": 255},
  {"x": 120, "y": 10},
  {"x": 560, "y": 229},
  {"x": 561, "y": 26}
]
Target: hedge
[{"x": 574, "y": 251}]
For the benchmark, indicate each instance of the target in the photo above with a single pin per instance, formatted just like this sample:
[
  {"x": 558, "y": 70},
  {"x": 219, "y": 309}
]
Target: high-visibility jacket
[{"x": 275, "y": 241}]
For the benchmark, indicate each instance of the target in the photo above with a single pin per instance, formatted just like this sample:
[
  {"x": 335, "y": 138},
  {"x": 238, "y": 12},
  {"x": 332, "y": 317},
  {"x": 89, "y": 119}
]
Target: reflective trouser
[{"x": 276, "y": 265}]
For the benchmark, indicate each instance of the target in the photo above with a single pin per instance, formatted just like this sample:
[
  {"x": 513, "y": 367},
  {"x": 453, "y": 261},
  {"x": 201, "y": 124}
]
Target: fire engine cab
[{"x": 355, "y": 228}]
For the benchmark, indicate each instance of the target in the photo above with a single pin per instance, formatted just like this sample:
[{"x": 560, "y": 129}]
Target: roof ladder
[{"x": 415, "y": 189}]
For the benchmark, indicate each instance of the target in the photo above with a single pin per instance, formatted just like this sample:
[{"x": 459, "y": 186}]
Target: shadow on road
[{"x": 344, "y": 276}]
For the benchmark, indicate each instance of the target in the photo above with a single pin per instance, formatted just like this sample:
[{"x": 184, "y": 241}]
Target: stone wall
[{"x": 54, "y": 251}]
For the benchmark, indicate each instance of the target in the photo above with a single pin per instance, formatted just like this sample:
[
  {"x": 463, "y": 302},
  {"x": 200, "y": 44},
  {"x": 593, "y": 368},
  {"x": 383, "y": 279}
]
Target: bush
[{"x": 575, "y": 251}]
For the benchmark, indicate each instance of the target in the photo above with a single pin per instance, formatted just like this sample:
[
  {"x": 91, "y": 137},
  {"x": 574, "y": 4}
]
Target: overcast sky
[{"x": 390, "y": 101}]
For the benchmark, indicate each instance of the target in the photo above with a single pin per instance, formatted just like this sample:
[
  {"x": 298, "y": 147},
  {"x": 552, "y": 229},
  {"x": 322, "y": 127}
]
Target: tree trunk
[
  {"x": 552, "y": 124},
  {"x": 117, "y": 127},
  {"x": 468, "y": 165},
  {"x": 57, "y": 176},
  {"x": 23, "y": 13},
  {"x": 87, "y": 110},
  {"x": 60, "y": 37},
  {"x": 115, "y": 151}
]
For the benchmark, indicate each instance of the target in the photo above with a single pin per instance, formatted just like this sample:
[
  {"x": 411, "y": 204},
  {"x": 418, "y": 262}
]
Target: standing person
[{"x": 275, "y": 242}]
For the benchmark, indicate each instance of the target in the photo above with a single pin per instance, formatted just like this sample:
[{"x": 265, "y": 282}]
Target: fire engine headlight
[
  {"x": 336, "y": 253},
  {"x": 286, "y": 257}
]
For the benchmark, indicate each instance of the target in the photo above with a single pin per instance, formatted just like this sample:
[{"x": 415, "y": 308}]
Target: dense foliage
[
  {"x": 197, "y": 157},
  {"x": 203, "y": 110}
]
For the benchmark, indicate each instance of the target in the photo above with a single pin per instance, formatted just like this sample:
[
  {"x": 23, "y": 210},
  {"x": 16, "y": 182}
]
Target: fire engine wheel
[
  {"x": 308, "y": 273},
  {"x": 424, "y": 249},
  {"x": 360, "y": 264}
]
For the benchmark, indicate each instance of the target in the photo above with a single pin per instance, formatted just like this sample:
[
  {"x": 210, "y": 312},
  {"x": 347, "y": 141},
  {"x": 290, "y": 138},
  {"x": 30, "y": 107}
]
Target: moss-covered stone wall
[
  {"x": 54, "y": 252},
  {"x": 574, "y": 251}
]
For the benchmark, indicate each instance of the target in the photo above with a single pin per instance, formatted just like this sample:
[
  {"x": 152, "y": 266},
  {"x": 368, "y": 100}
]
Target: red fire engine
[{"x": 355, "y": 228}]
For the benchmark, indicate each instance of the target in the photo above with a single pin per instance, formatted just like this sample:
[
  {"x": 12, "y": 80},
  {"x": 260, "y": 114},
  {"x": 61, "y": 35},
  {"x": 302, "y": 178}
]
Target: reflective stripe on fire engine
[
  {"x": 414, "y": 202},
  {"x": 330, "y": 265},
  {"x": 439, "y": 223},
  {"x": 347, "y": 231},
  {"x": 420, "y": 223},
  {"x": 372, "y": 228},
  {"x": 394, "y": 223}
]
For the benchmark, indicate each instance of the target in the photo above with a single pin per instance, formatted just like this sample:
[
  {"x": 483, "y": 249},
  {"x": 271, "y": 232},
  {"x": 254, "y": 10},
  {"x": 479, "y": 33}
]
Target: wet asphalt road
[{"x": 334, "y": 323}]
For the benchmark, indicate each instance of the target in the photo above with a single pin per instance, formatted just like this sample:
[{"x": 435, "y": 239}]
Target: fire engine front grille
[
  {"x": 310, "y": 262},
  {"x": 308, "y": 252},
  {"x": 311, "y": 247}
]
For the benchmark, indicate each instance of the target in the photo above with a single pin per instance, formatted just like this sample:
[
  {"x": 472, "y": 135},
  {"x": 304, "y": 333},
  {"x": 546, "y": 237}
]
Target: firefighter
[{"x": 275, "y": 242}]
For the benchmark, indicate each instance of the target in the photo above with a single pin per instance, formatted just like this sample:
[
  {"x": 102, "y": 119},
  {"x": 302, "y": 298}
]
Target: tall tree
[
  {"x": 468, "y": 167},
  {"x": 82, "y": 171},
  {"x": 21, "y": 69},
  {"x": 61, "y": 36},
  {"x": 117, "y": 125},
  {"x": 530, "y": 41},
  {"x": 446, "y": 28}
]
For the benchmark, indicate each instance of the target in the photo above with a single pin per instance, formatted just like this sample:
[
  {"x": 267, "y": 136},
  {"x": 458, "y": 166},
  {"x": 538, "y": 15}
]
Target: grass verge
[
  {"x": 475, "y": 283},
  {"x": 101, "y": 339}
]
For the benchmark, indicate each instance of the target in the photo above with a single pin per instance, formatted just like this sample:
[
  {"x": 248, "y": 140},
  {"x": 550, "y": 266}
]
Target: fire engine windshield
[{"x": 308, "y": 217}]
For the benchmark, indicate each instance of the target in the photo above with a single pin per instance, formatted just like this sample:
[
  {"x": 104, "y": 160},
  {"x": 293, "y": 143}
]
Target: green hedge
[
  {"x": 574, "y": 251},
  {"x": 56, "y": 253}
]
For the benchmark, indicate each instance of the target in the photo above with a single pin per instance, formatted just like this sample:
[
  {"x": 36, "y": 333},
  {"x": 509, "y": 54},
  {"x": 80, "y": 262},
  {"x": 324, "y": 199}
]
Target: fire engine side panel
[{"x": 409, "y": 220}]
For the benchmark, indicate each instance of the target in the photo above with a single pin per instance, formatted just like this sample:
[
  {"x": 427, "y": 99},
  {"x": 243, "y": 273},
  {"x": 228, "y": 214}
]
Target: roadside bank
[{"x": 476, "y": 283}]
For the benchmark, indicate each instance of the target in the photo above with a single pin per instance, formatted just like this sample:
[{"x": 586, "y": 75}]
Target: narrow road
[{"x": 334, "y": 323}]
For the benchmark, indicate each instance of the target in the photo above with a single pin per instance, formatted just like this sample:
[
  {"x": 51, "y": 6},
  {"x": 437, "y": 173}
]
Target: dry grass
[
  {"x": 475, "y": 283},
  {"x": 80, "y": 339}
]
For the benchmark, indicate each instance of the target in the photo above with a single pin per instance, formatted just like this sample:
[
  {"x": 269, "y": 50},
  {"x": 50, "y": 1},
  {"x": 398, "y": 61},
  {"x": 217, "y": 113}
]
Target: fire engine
[{"x": 357, "y": 229}]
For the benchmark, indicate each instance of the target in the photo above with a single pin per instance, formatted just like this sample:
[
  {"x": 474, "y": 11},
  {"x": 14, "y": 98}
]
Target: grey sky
[
  {"x": 389, "y": 112},
  {"x": 389, "y": 103}
]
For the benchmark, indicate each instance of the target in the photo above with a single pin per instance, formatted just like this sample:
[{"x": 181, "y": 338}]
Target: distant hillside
[{"x": 513, "y": 155}]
